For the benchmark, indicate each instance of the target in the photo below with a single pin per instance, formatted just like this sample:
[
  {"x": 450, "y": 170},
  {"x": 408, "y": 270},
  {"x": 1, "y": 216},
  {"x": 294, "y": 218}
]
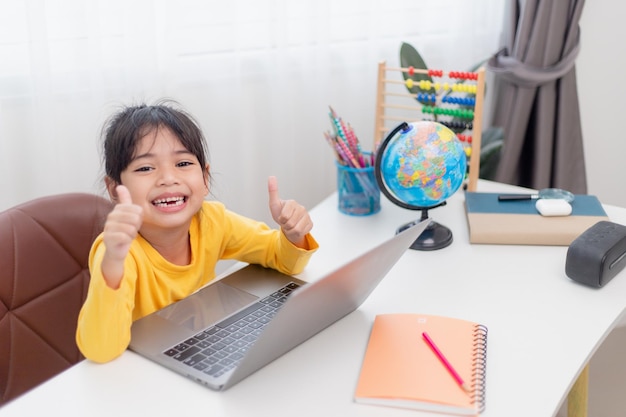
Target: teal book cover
[{"x": 518, "y": 222}]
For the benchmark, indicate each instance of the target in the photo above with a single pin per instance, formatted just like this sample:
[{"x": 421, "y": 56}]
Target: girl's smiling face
[{"x": 165, "y": 179}]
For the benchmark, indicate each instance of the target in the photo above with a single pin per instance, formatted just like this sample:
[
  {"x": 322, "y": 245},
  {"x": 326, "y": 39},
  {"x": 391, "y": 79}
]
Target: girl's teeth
[{"x": 169, "y": 201}]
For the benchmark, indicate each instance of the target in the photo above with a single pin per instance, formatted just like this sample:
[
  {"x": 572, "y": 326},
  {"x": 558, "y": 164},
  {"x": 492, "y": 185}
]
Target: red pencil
[{"x": 445, "y": 362}]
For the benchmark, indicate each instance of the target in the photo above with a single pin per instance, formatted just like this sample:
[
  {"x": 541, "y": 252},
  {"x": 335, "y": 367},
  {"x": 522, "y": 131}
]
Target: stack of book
[{"x": 518, "y": 221}]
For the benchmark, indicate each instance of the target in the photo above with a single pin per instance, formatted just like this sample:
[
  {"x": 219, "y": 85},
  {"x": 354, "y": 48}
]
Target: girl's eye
[
  {"x": 185, "y": 164},
  {"x": 143, "y": 169}
]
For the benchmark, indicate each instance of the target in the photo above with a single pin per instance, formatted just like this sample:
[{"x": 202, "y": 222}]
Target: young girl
[{"x": 162, "y": 240}]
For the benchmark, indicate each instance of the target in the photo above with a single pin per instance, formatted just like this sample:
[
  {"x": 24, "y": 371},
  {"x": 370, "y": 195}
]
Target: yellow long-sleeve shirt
[{"x": 150, "y": 282}]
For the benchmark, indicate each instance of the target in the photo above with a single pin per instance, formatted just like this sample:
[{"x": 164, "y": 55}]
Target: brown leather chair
[{"x": 44, "y": 249}]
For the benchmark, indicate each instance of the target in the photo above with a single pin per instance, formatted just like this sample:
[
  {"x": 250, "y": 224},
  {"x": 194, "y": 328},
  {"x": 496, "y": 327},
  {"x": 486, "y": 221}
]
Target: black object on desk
[{"x": 597, "y": 255}]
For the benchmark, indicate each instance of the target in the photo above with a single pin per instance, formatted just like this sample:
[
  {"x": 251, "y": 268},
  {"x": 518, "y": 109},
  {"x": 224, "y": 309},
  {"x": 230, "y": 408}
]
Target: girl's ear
[{"x": 111, "y": 184}]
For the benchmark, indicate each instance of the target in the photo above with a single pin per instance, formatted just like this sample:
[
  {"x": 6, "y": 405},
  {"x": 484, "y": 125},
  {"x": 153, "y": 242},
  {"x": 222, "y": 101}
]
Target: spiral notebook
[{"x": 400, "y": 369}]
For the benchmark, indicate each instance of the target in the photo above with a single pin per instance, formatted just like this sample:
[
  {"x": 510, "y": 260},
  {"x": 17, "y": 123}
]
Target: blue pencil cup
[{"x": 357, "y": 191}]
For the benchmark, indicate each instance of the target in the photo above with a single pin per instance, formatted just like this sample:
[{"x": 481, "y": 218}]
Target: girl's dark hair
[{"x": 123, "y": 130}]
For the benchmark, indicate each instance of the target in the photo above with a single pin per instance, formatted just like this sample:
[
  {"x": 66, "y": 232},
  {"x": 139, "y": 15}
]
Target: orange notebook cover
[{"x": 401, "y": 370}]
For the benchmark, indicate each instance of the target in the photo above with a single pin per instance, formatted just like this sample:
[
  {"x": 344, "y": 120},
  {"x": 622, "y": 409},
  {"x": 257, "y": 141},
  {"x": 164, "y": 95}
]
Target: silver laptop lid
[
  {"x": 308, "y": 310},
  {"x": 319, "y": 304}
]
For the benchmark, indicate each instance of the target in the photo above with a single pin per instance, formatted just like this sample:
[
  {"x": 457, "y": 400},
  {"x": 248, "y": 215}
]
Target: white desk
[{"x": 543, "y": 328}]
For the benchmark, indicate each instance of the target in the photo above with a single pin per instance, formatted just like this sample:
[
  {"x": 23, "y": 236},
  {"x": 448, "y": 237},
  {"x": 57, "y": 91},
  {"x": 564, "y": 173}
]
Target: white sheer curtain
[{"x": 259, "y": 76}]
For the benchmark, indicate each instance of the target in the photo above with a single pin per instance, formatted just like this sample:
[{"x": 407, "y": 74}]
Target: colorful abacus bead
[
  {"x": 464, "y": 101},
  {"x": 426, "y": 98},
  {"x": 468, "y": 101},
  {"x": 462, "y": 75},
  {"x": 425, "y": 85}
]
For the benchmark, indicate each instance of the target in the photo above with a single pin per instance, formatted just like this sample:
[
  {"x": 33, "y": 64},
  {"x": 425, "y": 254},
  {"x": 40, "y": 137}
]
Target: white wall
[
  {"x": 258, "y": 75},
  {"x": 600, "y": 72},
  {"x": 59, "y": 151}
]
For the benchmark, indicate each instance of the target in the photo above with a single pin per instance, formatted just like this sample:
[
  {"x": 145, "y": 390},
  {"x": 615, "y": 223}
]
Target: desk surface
[{"x": 543, "y": 328}]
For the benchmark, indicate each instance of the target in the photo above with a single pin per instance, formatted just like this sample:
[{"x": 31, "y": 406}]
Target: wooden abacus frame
[{"x": 407, "y": 112}]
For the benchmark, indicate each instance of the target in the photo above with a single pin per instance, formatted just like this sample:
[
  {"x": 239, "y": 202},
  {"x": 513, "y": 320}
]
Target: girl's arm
[{"x": 104, "y": 322}]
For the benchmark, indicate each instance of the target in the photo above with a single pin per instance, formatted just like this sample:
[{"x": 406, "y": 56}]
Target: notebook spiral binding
[{"x": 479, "y": 366}]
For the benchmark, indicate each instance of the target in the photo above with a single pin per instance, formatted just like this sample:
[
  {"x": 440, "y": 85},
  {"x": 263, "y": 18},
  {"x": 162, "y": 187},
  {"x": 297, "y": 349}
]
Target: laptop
[{"x": 229, "y": 329}]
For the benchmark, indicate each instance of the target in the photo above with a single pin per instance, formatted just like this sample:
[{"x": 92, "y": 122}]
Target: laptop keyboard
[{"x": 220, "y": 347}]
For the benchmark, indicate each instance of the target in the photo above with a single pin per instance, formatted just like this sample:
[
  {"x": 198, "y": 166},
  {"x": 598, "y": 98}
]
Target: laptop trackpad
[{"x": 210, "y": 305}]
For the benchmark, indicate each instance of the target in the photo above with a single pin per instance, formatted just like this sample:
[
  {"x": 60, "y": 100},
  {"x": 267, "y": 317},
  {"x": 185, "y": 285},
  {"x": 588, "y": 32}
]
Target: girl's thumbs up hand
[{"x": 292, "y": 218}]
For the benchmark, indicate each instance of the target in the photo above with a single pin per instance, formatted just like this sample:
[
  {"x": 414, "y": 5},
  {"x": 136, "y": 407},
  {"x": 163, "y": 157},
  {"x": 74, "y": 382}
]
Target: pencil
[{"x": 445, "y": 362}]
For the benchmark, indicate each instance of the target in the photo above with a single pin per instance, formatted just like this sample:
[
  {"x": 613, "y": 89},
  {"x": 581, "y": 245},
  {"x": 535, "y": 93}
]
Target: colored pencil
[{"x": 444, "y": 361}]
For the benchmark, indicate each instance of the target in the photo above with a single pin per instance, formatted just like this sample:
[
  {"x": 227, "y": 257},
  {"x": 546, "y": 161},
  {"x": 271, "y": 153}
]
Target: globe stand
[{"x": 435, "y": 236}]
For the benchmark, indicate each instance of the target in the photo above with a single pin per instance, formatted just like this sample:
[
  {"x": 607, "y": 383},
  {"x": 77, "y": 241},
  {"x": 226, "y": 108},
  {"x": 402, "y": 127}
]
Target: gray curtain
[{"x": 536, "y": 98}]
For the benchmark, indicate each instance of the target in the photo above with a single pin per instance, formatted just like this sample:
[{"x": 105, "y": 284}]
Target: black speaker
[{"x": 597, "y": 255}]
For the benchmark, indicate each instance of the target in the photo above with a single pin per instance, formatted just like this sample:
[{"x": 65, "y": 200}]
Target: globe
[
  {"x": 419, "y": 166},
  {"x": 422, "y": 165}
]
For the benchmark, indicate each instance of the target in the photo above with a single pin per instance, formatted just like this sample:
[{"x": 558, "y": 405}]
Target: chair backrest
[{"x": 44, "y": 276}]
